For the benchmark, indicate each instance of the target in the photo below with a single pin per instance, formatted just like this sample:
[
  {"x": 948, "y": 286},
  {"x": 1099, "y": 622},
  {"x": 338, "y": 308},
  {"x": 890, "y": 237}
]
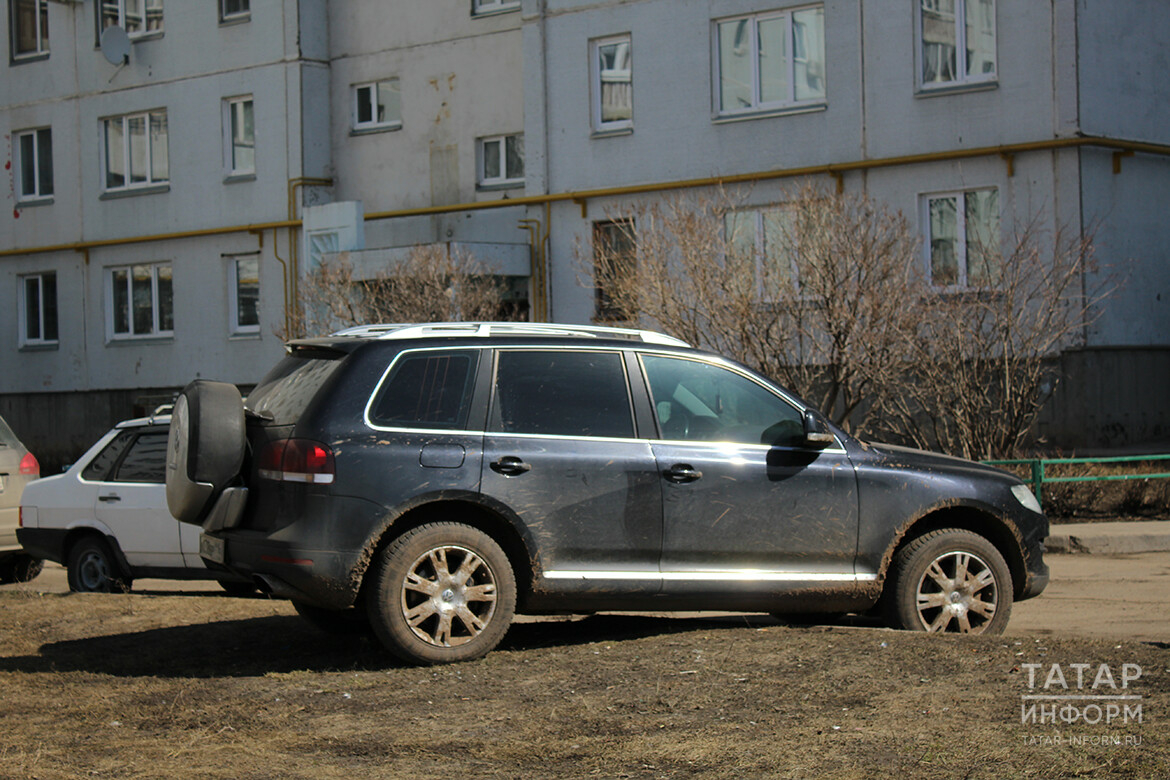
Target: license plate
[{"x": 212, "y": 549}]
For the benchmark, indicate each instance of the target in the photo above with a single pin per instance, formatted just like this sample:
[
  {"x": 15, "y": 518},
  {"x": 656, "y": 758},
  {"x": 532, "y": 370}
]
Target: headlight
[{"x": 1023, "y": 494}]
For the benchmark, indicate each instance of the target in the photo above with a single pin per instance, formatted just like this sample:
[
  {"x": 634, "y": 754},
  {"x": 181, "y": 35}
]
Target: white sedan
[{"x": 106, "y": 518}]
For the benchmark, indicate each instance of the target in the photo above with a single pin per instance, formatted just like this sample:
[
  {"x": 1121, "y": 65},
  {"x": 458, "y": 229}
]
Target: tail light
[
  {"x": 297, "y": 460},
  {"x": 29, "y": 465}
]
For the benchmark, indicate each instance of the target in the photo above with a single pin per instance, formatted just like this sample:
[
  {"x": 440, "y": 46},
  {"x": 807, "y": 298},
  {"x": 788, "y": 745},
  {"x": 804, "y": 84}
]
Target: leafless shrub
[
  {"x": 434, "y": 283},
  {"x": 818, "y": 293},
  {"x": 826, "y": 294},
  {"x": 983, "y": 364}
]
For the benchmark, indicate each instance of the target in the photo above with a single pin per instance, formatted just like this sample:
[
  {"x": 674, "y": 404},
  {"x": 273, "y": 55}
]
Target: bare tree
[
  {"x": 984, "y": 363},
  {"x": 434, "y": 283},
  {"x": 826, "y": 294},
  {"x": 818, "y": 293}
]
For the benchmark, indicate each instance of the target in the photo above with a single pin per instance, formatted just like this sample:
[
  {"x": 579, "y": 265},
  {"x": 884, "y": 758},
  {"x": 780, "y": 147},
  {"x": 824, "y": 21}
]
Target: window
[
  {"x": 140, "y": 301},
  {"x": 137, "y": 17},
  {"x": 34, "y": 164},
  {"x": 146, "y": 461},
  {"x": 130, "y": 457},
  {"x": 770, "y": 61},
  {"x": 611, "y": 76},
  {"x": 38, "y": 309},
  {"x": 135, "y": 150},
  {"x": 239, "y": 136},
  {"x": 427, "y": 390},
  {"x": 957, "y": 42},
  {"x": 244, "y": 295},
  {"x": 485, "y": 7},
  {"x": 761, "y": 239},
  {"x": 696, "y": 401},
  {"x": 377, "y": 105},
  {"x": 234, "y": 10},
  {"x": 614, "y": 269},
  {"x": 501, "y": 160},
  {"x": 29, "y": 23},
  {"x": 962, "y": 241},
  {"x": 562, "y": 393}
]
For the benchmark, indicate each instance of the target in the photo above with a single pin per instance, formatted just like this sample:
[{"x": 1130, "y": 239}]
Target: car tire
[
  {"x": 337, "y": 622},
  {"x": 441, "y": 593},
  {"x": 205, "y": 447},
  {"x": 19, "y": 568},
  {"x": 950, "y": 581},
  {"x": 91, "y": 568}
]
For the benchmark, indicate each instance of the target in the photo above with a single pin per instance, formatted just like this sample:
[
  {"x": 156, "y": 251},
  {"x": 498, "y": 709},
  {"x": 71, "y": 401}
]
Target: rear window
[
  {"x": 426, "y": 390},
  {"x": 285, "y": 392},
  {"x": 7, "y": 437}
]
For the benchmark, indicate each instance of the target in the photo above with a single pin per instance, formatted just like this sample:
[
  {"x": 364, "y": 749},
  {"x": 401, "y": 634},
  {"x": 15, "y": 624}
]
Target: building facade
[{"x": 174, "y": 168}]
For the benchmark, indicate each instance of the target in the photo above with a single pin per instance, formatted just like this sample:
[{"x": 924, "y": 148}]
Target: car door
[
  {"x": 561, "y": 455},
  {"x": 747, "y": 505},
  {"x": 132, "y": 503}
]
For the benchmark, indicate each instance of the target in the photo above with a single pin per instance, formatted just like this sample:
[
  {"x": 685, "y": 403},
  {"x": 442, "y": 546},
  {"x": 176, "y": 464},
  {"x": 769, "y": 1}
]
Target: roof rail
[{"x": 391, "y": 331}]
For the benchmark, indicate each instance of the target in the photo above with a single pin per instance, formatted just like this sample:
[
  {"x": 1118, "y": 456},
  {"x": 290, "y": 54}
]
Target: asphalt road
[{"x": 1120, "y": 597}]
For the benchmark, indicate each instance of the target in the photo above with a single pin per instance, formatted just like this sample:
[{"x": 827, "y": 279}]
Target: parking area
[{"x": 1119, "y": 597}]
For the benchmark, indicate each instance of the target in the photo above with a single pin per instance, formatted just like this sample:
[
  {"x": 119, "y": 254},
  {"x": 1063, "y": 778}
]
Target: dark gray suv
[{"x": 429, "y": 481}]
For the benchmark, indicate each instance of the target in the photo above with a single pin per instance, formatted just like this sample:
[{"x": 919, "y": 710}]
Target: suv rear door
[{"x": 562, "y": 454}]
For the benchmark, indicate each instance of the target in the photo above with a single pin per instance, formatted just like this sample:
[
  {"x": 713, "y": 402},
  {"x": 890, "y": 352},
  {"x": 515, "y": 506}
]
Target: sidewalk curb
[{"x": 1109, "y": 538}]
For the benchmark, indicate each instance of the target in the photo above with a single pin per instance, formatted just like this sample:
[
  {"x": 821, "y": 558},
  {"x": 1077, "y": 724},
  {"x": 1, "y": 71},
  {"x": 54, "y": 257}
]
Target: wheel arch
[
  {"x": 462, "y": 510},
  {"x": 994, "y": 529},
  {"x": 77, "y": 533}
]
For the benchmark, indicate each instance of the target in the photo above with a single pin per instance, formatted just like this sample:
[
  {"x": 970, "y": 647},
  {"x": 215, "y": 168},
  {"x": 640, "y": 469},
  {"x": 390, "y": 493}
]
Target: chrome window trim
[{"x": 727, "y": 575}]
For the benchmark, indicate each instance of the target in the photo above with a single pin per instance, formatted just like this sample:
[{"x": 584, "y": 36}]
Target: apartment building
[
  {"x": 971, "y": 117},
  {"x": 165, "y": 203}
]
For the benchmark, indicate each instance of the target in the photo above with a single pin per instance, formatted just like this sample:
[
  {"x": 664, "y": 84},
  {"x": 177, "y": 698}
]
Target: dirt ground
[{"x": 164, "y": 683}]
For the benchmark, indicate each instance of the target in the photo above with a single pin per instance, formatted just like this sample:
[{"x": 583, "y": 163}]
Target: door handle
[
  {"x": 681, "y": 473},
  {"x": 110, "y": 497},
  {"x": 510, "y": 466}
]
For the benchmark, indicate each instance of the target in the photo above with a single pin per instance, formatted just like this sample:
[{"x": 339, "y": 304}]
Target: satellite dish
[{"x": 115, "y": 45}]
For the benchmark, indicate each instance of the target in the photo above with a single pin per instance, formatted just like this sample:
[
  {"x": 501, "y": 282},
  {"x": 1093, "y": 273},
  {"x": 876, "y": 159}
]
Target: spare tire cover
[{"x": 205, "y": 447}]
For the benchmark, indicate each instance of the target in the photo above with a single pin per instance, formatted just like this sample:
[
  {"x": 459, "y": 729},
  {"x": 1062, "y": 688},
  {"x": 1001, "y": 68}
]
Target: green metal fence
[{"x": 1040, "y": 477}]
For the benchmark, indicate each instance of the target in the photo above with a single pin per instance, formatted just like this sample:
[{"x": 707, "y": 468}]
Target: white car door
[{"x": 132, "y": 503}]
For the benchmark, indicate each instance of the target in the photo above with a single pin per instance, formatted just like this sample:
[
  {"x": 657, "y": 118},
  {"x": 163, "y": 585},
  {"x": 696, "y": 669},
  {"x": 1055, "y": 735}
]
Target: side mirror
[{"x": 816, "y": 433}]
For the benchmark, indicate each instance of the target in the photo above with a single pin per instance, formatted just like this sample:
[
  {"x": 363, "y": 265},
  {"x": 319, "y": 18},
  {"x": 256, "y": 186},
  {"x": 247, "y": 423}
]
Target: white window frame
[
  {"x": 231, "y": 165},
  {"x": 40, "y": 25},
  {"x": 156, "y": 331},
  {"x": 961, "y": 233},
  {"x": 374, "y": 124},
  {"x": 234, "y": 16},
  {"x": 961, "y": 79},
  {"x": 595, "y": 83},
  {"x": 489, "y": 7},
  {"x": 124, "y": 119},
  {"x": 236, "y": 328},
  {"x": 121, "y": 12},
  {"x": 501, "y": 179},
  {"x": 760, "y": 246},
  {"x": 25, "y": 340},
  {"x": 758, "y": 105},
  {"x": 20, "y": 163}
]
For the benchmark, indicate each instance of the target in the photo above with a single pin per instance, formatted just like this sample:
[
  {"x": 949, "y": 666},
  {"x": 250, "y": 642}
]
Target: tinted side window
[
  {"x": 427, "y": 390},
  {"x": 698, "y": 401},
  {"x": 562, "y": 393},
  {"x": 103, "y": 463},
  {"x": 146, "y": 461}
]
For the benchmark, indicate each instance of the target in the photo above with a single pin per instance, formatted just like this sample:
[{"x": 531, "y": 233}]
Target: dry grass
[{"x": 146, "y": 686}]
